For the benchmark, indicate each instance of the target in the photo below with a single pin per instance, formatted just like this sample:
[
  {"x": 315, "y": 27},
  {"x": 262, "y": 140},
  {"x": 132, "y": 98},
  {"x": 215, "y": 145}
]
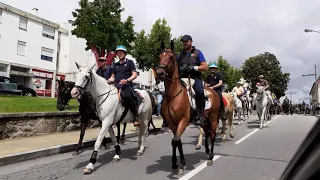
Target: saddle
[
  {"x": 137, "y": 95},
  {"x": 188, "y": 86}
]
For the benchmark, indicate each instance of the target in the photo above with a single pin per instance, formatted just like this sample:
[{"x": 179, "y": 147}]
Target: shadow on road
[
  {"x": 107, "y": 157},
  {"x": 164, "y": 164}
]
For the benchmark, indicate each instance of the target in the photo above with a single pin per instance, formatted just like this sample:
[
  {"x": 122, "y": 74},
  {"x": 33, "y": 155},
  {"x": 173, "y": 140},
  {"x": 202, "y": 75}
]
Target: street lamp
[
  {"x": 310, "y": 30},
  {"x": 314, "y": 74}
]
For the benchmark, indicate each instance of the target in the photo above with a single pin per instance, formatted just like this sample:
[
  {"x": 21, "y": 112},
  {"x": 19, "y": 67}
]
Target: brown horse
[
  {"x": 176, "y": 109},
  {"x": 229, "y": 109}
]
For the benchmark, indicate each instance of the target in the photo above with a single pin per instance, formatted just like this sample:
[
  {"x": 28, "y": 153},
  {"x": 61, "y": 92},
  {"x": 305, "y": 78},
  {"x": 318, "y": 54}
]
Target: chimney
[{"x": 35, "y": 11}]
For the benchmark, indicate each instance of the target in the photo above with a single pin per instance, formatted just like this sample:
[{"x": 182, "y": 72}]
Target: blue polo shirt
[
  {"x": 105, "y": 73},
  {"x": 123, "y": 71}
]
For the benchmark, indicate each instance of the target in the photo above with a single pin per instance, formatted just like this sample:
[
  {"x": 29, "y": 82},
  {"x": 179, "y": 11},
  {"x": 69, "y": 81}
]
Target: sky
[{"x": 234, "y": 29}]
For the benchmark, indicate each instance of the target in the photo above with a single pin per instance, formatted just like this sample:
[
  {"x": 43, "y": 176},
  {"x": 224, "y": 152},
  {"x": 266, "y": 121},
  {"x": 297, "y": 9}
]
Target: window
[
  {"x": 0, "y": 16},
  {"x": 48, "y": 32},
  {"x": 47, "y": 54},
  {"x": 21, "y": 48},
  {"x": 23, "y": 23}
]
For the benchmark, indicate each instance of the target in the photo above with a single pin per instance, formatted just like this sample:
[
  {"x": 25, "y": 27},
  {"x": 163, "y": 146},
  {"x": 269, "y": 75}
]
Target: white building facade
[
  {"x": 35, "y": 51},
  {"x": 315, "y": 95},
  {"x": 28, "y": 49}
]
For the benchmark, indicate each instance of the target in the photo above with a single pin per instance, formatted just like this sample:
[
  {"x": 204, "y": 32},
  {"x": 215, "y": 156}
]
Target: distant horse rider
[
  {"x": 214, "y": 81},
  {"x": 239, "y": 91},
  {"x": 266, "y": 86},
  {"x": 191, "y": 63}
]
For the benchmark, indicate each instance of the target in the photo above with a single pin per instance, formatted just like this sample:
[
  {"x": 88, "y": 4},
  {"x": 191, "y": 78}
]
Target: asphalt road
[{"x": 261, "y": 155}]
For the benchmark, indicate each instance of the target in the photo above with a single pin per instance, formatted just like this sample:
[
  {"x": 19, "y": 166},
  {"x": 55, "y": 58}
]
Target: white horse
[
  {"x": 110, "y": 110},
  {"x": 238, "y": 107},
  {"x": 262, "y": 106}
]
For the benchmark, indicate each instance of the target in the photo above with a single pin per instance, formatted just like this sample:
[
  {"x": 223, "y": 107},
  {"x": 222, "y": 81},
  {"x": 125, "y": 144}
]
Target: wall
[
  {"x": 10, "y": 34},
  {"x": 33, "y": 124}
]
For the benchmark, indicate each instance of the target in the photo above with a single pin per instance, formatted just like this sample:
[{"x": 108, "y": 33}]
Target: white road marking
[
  {"x": 246, "y": 136},
  {"x": 197, "y": 169},
  {"x": 254, "y": 131}
]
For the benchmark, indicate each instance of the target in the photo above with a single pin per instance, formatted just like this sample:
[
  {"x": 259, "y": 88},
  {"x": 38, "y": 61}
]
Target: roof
[{"x": 32, "y": 17}]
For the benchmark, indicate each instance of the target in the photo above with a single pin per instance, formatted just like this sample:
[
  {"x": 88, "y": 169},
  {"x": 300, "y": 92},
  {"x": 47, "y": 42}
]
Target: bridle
[{"x": 83, "y": 89}]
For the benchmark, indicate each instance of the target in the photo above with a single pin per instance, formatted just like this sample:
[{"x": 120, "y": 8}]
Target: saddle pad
[
  {"x": 225, "y": 102},
  {"x": 193, "y": 103},
  {"x": 186, "y": 82}
]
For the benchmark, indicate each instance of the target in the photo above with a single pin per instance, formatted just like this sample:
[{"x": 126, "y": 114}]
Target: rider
[
  {"x": 123, "y": 73},
  {"x": 286, "y": 100},
  {"x": 104, "y": 70},
  {"x": 191, "y": 63},
  {"x": 214, "y": 81},
  {"x": 239, "y": 92},
  {"x": 266, "y": 86}
]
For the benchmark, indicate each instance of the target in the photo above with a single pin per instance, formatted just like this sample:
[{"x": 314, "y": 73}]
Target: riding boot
[
  {"x": 222, "y": 110},
  {"x": 200, "y": 120}
]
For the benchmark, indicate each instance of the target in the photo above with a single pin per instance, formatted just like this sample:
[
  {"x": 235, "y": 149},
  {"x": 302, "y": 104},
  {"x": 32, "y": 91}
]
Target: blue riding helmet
[
  {"x": 121, "y": 48},
  {"x": 213, "y": 65}
]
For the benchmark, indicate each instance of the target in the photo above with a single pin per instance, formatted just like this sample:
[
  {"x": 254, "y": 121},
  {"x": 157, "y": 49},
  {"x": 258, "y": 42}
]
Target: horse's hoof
[
  {"x": 75, "y": 153},
  {"x": 209, "y": 162},
  {"x": 181, "y": 172},
  {"x": 198, "y": 147},
  {"x": 87, "y": 171},
  {"x": 175, "y": 171},
  {"x": 232, "y": 135},
  {"x": 223, "y": 139},
  {"x": 116, "y": 159},
  {"x": 139, "y": 153}
]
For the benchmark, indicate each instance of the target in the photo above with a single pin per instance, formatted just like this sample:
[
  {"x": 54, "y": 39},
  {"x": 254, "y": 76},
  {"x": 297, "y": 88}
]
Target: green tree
[
  {"x": 99, "y": 22},
  {"x": 177, "y": 44},
  {"x": 268, "y": 65},
  {"x": 147, "y": 47}
]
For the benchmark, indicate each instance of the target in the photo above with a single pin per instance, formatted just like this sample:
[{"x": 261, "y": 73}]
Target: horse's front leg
[
  {"x": 223, "y": 130},
  {"x": 117, "y": 148},
  {"x": 123, "y": 137},
  {"x": 230, "y": 122},
  {"x": 143, "y": 128},
  {"x": 105, "y": 126},
  {"x": 198, "y": 146},
  {"x": 84, "y": 122}
]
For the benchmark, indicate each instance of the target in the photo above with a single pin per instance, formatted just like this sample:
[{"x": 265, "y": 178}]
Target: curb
[{"x": 39, "y": 153}]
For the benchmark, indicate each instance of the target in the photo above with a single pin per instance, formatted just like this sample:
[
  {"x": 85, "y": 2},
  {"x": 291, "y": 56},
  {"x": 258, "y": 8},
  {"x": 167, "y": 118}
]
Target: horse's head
[
  {"x": 167, "y": 61},
  {"x": 64, "y": 94},
  {"x": 260, "y": 91},
  {"x": 83, "y": 81}
]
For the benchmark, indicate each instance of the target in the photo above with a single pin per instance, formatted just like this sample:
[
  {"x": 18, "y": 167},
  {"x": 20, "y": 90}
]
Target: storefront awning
[{"x": 19, "y": 73}]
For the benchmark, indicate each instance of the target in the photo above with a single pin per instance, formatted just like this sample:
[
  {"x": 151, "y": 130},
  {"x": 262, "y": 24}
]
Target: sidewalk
[{"x": 28, "y": 145}]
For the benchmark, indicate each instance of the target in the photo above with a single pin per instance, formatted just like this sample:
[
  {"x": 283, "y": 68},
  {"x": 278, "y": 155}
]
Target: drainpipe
[{"x": 53, "y": 85}]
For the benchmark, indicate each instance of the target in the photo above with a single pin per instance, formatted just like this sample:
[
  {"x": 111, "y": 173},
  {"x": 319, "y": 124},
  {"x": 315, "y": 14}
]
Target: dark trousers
[
  {"x": 221, "y": 103},
  {"x": 199, "y": 90},
  {"x": 127, "y": 95}
]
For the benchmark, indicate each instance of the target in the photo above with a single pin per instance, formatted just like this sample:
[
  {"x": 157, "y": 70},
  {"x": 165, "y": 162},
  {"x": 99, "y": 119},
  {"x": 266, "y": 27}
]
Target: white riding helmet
[{"x": 261, "y": 76}]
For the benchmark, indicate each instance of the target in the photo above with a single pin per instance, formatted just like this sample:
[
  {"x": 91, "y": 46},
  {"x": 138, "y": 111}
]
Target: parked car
[{"x": 26, "y": 91}]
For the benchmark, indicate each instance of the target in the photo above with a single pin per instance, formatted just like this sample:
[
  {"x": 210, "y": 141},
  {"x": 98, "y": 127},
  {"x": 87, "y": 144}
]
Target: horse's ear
[
  {"x": 78, "y": 66},
  {"x": 162, "y": 45},
  {"x": 172, "y": 45}
]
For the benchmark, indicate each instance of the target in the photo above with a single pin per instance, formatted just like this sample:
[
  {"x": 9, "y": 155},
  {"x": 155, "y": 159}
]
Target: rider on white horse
[
  {"x": 265, "y": 84},
  {"x": 123, "y": 73},
  {"x": 239, "y": 92}
]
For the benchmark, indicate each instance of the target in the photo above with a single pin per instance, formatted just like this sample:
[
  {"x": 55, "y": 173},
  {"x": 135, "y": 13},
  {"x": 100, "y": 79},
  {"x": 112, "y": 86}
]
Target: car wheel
[{"x": 29, "y": 94}]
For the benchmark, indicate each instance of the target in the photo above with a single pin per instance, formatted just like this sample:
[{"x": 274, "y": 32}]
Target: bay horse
[
  {"x": 229, "y": 110},
  {"x": 110, "y": 110},
  {"x": 177, "y": 110},
  {"x": 87, "y": 110}
]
